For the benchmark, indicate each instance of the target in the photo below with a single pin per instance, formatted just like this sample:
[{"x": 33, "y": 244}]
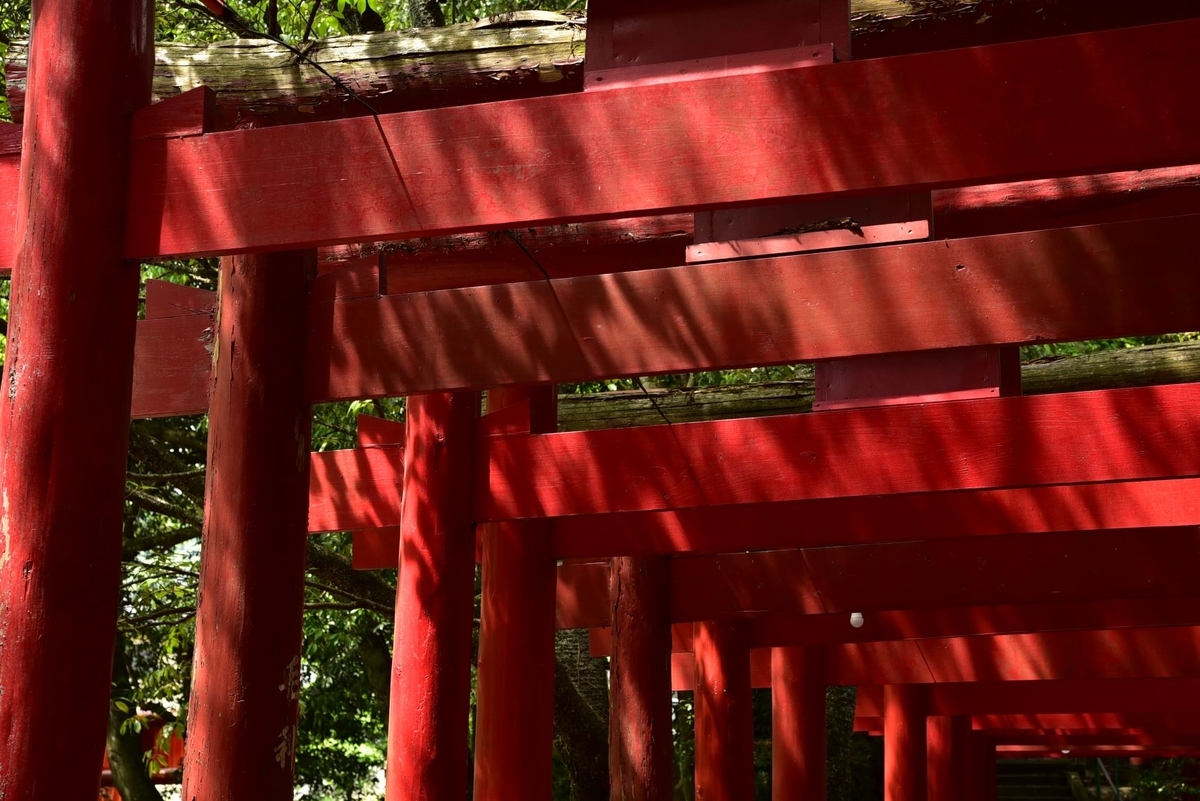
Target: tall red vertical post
[
  {"x": 948, "y": 742},
  {"x": 242, "y": 718},
  {"x": 64, "y": 424},
  {"x": 724, "y": 719},
  {"x": 798, "y": 724},
  {"x": 514, "y": 718},
  {"x": 640, "y": 751},
  {"x": 904, "y": 752},
  {"x": 435, "y": 599}
]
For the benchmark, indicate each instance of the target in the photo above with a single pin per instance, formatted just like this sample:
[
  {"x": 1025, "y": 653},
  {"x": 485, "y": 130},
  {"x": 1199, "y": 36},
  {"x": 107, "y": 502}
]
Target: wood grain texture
[
  {"x": 995, "y": 443},
  {"x": 245, "y": 694},
  {"x": 355, "y": 489},
  {"x": 431, "y": 664},
  {"x": 1067, "y": 284},
  {"x": 64, "y": 412},
  {"x": 620, "y": 153}
]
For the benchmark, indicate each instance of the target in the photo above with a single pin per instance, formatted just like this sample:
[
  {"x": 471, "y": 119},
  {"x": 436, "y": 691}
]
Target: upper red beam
[
  {"x": 1062, "y": 284},
  {"x": 956, "y": 117}
]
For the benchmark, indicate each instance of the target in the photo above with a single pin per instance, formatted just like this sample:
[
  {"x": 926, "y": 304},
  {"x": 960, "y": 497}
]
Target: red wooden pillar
[
  {"x": 514, "y": 719},
  {"x": 640, "y": 752},
  {"x": 67, "y": 384},
  {"x": 904, "y": 742},
  {"x": 981, "y": 768},
  {"x": 797, "y": 724},
  {"x": 431, "y": 657},
  {"x": 724, "y": 721},
  {"x": 246, "y": 669},
  {"x": 948, "y": 748}
]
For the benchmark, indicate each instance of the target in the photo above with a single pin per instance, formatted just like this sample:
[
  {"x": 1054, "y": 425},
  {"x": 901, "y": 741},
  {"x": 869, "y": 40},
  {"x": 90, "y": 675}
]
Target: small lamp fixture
[{"x": 856, "y": 620}]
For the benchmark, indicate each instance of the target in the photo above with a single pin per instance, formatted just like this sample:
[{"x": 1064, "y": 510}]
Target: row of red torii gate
[{"x": 1020, "y": 567}]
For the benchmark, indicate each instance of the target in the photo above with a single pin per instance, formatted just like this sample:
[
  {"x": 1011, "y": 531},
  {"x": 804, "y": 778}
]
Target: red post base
[
  {"x": 724, "y": 722},
  {"x": 67, "y": 384},
  {"x": 640, "y": 753},
  {"x": 514, "y": 720},
  {"x": 904, "y": 753},
  {"x": 246, "y": 679},
  {"x": 948, "y": 747},
  {"x": 798, "y": 724},
  {"x": 431, "y": 659}
]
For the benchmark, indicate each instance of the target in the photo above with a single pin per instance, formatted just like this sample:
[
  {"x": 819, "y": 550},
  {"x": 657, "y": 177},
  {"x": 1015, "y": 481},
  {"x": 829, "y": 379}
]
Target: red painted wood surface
[
  {"x": 797, "y": 724},
  {"x": 768, "y": 245},
  {"x": 1126, "y": 696},
  {"x": 640, "y": 753},
  {"x": 830, "y": 629},
  {"x": 1070, "y": 568},
  {"x": 993, "y": 443},
  {"x": 1066, "y": 202},
  {"x": 947, "y": 741},
  {"x": 1067, "y": 284},
  {"x": 431, "y": 655},
  {"x": 66, "y": 401},
  {"x": 1099, "y": 506},
  {"x": 514, "y": 725},
  {"x": 173, "y": 357},
  {"x": 724, "y": 723},
  {"x": 243, "y": 713},
  {"x": 629, "y": 151},
  {"x": 883, "y": 518},
  {"x": 628, "y": 34},
  {"x": 355, "y": 489},
  {"x": 725, "y": 66},
  {"x": 188, "y": 114},
  {"x": 1028, "y": 287},
  {"x": 904, "y": 743},
  {"x": 1154, "y": 653}
]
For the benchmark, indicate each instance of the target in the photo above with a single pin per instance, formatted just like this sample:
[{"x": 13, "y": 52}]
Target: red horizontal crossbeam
[
  {"x": 1036, "y": 569},
  {"x": 858, "y": 127},
  {"x": 1110, "y": 435},
  {"x": 1157, "y": 653},
  {"x": 1065, "y": 284},
  {"x": 1049, "y": 285},
  {"x": 1127, "y": 696},
  {"x": 815, "y": 629}
]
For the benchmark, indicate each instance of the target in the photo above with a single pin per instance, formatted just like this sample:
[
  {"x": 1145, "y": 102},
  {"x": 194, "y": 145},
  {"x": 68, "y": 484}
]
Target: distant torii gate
[{"x": 757, "y": 129}]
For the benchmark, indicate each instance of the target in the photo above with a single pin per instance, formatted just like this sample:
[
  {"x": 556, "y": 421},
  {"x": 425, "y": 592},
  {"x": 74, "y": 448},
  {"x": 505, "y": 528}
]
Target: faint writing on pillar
[
  {"x": 285, "y": 751},
  {"x": 291, "y": 680}
]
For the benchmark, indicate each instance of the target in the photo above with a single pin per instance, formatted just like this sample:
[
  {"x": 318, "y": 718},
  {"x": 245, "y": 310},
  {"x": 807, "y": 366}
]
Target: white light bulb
[
  {"x": 1066, "y": 750},
  {"x": 856, "y": 619}
]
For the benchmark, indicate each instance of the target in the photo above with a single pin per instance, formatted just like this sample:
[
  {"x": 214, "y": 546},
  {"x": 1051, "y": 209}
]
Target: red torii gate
[{"x": 189, "y": 192}]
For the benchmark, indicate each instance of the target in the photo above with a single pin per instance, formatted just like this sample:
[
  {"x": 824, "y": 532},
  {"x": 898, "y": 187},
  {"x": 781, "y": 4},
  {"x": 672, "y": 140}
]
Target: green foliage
[{"x": 1167, "y": 780}]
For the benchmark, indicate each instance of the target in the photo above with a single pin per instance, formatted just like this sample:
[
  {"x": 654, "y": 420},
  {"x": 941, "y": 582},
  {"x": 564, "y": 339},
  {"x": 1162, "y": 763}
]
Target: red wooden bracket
[
  {"x": 188, "y": 114},
  {"x": 808, "y": 242},
  {"x": 376, "y": 432},
  {"x": 165, "y": 299},
  {"x": 713, "y": 67}
]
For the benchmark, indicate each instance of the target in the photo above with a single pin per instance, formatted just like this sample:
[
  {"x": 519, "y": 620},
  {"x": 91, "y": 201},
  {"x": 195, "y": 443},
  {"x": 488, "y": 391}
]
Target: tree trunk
[
  {"x": 426, "y": 14},
  {"x": 125, "y": 756},
  {"x": 839, "y": 726},
  {"x": 581, "y": 716}
]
